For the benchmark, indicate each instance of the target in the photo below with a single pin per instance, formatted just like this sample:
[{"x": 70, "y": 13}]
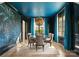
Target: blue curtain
[
  {"x": 32, "y": 26},
  {"x": 55, "y": 29},
  {"x": 46, "y": 27},
  {"x": 67, "y": 38}
]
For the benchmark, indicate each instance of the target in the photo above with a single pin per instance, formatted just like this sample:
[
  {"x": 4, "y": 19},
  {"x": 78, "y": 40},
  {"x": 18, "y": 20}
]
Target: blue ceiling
[{"x": 35, "y": 9}]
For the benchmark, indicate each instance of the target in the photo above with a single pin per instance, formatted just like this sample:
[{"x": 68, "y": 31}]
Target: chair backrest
[
  {"x": 51, "y": 36},
  {"x": 39, "y": 40}
]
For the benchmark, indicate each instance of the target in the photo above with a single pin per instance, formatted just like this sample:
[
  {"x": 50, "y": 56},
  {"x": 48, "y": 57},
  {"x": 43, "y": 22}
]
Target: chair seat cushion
[{"x": 47, "y": 39}]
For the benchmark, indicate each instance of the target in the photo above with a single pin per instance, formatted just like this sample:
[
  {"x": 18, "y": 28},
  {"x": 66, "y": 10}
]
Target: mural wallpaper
[{"x": 10, "y": 26}]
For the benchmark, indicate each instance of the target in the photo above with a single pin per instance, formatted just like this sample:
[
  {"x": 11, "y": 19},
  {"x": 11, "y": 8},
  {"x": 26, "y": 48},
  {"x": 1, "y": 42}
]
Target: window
[
  {"x": 39, "y": 26},
  {"x": 61, "y": 23}
]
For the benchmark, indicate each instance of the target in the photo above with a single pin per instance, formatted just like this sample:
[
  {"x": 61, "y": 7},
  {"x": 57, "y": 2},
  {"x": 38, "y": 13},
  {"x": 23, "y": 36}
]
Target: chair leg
[
  {"x": 36, "y": 47},
  {"x": 43, "y": 47},
  {"x": 50, "y": 43},
  {"x": 30, "y": 45},
  {"x": 33, "y": 44}
]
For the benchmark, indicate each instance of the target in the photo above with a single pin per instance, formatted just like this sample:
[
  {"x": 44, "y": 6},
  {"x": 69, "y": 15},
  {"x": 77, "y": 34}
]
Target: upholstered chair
[
  {"x": 39, "y": 42},
  {"x": 49, "y": 39}
]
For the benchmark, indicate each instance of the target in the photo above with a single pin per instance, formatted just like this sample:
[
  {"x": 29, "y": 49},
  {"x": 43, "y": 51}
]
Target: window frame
[{"x": 62, "y": 30}]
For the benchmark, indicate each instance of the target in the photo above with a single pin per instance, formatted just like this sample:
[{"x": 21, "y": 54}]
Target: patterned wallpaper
[{"x": 10, "y": 26}]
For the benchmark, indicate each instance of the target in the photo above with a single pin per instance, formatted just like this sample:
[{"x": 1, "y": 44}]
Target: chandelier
[{"x": 39, "y": 21}]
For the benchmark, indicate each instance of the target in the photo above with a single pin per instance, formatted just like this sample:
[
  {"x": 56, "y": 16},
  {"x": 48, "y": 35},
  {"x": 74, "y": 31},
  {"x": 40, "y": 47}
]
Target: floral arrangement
[{"x": 39, "y": 21}]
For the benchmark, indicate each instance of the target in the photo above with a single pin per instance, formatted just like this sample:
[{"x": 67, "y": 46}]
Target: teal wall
[{"x": 10, "y": 27}]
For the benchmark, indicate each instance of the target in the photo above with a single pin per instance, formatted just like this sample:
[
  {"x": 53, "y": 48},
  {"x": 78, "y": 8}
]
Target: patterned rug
[{"x": 31, "y": 52}]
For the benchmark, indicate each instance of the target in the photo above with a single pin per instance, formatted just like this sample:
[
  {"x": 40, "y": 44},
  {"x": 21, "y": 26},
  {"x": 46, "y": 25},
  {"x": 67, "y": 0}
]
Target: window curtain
[
  {"x": 32, "y": 26},
  {"x": 46, "y": 27},
  {"x": 55, "y": 29},
  {"x": 69, "y": 32}
]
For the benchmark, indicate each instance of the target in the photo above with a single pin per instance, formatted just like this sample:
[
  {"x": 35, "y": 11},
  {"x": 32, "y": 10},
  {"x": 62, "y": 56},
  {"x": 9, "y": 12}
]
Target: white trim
[
  {"x": 57, "y": 28},
  {"x": 34, "y": 27},
  {"x": 44, "y": 27}
]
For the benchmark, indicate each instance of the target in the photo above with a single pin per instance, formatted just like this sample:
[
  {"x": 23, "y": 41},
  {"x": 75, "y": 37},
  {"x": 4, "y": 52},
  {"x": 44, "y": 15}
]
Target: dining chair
[
  {"x": 31, "y": 40},
  {"x": 49, "y": 39},
  {"x": 39, "y": 42}
]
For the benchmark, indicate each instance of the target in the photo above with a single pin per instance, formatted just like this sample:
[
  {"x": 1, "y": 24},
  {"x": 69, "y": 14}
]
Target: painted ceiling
[{"x": 34, "y": 9}]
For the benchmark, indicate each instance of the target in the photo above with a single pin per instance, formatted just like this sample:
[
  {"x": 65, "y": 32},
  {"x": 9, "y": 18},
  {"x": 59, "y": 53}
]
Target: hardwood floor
[{"x": 56, "y": 50}]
